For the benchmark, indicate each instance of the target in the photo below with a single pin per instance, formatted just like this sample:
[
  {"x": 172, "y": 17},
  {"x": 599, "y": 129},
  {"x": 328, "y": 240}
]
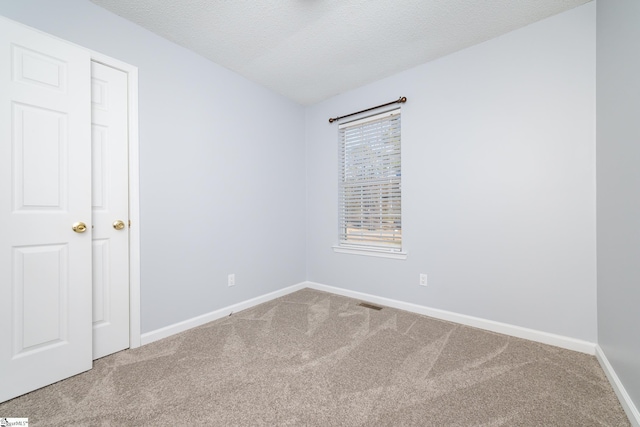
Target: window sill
[{"x": 370, "y": 252}]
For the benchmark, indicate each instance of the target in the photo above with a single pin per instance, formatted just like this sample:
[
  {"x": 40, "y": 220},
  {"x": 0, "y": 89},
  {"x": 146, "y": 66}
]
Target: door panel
[
  {"x": 110, "y": 202},
  {"x": 33, "y": 67},
  {"x": 40, "y": 289},
  {"x": 39, "y": 146},
  {"x": 101, "y": 268},
  {"x": 45, "y": 187}
]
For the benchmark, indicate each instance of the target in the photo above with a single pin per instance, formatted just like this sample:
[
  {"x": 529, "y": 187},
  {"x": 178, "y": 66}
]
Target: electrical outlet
[
  {"x": 423, "y": 279},
  {"x": 231, "y": 280}
]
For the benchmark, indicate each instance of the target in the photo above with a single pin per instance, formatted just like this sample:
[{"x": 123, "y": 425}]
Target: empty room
[{"x": 320, "y": 212}]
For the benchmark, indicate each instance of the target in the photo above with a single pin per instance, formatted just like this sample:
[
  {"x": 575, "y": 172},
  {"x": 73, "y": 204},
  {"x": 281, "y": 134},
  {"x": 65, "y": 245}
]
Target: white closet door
[
  {"x": 110, "y": 204},
  {"x": 45, "y": 187}
]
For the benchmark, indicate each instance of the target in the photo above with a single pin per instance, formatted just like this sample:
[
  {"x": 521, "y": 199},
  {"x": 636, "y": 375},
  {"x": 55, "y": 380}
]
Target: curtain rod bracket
[{"x": 400, "y": 100}]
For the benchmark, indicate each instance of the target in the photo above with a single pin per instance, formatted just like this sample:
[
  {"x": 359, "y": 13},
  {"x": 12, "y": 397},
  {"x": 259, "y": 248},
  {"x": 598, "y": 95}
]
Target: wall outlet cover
[{"x": 423, "y": 279}]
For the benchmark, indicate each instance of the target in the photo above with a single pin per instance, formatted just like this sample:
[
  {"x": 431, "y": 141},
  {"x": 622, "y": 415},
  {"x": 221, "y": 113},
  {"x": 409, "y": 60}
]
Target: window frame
[{"x": 369, "y": 245}]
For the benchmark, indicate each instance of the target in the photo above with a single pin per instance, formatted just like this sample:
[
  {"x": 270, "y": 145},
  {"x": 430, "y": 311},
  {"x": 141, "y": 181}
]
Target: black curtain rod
[{"x": 400, "y": 100}]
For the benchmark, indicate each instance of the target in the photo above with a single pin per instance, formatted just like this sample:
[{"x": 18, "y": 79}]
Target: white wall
[
  {"x": 618, "y": 154},
  {"x": 222, "y": 170},
  {"x": 498, "y": 181},
  {"x": 499, "y": 200}
]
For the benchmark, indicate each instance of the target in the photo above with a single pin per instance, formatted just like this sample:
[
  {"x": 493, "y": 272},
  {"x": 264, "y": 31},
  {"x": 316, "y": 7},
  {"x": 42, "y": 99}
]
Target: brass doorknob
[
  {"x": 79, "y": 227},
  {"x": 118, "y": 225}
]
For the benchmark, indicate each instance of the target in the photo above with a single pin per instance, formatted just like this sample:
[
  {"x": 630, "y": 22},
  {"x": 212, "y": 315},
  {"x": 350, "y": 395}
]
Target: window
[{"x": 369, "y": 212}]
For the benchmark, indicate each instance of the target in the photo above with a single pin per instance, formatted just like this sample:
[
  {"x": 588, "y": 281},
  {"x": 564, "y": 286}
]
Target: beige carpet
[{"x": 317, "y": 359}]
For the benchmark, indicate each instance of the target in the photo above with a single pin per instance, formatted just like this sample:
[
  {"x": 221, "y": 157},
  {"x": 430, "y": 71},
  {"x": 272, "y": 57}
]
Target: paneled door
[
  {"x": 110, "y": 205},
  {"x": 45, "y": 210}
]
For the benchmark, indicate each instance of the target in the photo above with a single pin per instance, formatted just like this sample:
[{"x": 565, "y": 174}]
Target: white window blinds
[{"x": 370, "y": 178}]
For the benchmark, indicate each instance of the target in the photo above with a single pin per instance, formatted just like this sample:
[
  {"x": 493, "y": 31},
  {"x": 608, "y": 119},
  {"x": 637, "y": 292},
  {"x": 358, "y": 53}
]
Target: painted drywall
[
  {"x": 618, "y": 188},
  {"x": 222, "y": 171},
  {"x": 499, "y": 201},
  {"x": 498, "y": 185}
]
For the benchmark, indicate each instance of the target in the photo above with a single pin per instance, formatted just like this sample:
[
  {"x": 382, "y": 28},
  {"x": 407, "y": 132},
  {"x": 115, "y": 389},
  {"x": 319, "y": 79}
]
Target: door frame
[{"x": 134, "y": 191}]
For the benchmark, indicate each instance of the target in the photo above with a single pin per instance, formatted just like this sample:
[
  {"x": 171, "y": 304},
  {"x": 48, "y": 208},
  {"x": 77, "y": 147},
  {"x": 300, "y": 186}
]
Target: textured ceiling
[{"x": 310, "y": 50}]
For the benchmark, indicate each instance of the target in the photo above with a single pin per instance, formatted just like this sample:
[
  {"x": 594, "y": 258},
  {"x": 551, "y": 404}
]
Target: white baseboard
[
  {"x": 625, "y": 400},
  {"x": 476, "y": 322},
  {"x": 167, "y": 331}
]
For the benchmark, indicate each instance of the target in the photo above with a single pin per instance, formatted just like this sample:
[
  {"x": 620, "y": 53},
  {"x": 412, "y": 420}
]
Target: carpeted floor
[{"x": 317, "y": 359}]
